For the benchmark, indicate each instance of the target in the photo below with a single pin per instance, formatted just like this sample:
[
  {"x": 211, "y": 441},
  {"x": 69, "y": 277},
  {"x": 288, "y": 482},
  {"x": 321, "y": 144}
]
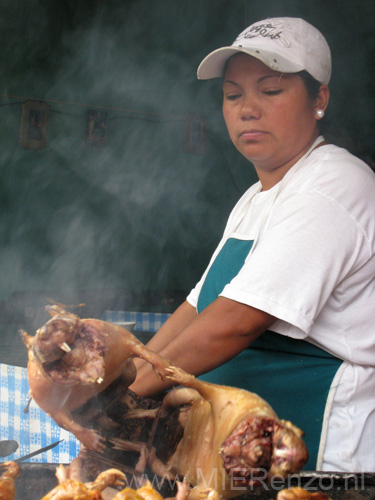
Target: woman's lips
[{"x": 252, "y": 135}]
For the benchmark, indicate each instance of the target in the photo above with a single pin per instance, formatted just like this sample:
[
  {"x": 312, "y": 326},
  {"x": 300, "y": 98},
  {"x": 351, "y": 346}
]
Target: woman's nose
[{"x": 250, "y": 109}]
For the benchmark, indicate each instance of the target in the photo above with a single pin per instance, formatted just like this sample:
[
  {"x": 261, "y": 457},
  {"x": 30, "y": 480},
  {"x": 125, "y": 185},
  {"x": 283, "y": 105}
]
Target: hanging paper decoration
[
  {"x": 33, "y": 129},
  {"x": 195, "y": 134},
  {"x": 96, "y": 127}
]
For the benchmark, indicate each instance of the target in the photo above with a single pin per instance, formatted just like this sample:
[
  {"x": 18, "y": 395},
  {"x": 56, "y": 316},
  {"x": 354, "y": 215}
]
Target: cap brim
[{"x": 213, "y": 65}]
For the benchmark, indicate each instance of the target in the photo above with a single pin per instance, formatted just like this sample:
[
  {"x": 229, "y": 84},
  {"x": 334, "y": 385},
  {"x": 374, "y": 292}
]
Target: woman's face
[{"x": 269, "y": 116}]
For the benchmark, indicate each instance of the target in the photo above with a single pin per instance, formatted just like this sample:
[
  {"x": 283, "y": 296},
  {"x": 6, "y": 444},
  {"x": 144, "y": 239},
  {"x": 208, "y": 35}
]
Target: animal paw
[
  {"x": 179, "y": 376},
  {"x": 110, "y": 477},
  {"x": 161, "y": 366},
  {"x": 183, "y": 489},
  {"x": 92, "y": 440}
]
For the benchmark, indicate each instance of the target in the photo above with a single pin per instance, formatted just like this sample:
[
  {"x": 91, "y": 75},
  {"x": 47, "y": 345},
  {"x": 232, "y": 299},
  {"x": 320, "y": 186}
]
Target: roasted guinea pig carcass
[
  {"x": 69, "y": 489},
  {"x": 9, "y": 473},
  {"x": 146, "y": 492},
  {"x": 232, "y": 439},
  {"x": 71, "y": 360},
  {"x": 298, "y": 493}
]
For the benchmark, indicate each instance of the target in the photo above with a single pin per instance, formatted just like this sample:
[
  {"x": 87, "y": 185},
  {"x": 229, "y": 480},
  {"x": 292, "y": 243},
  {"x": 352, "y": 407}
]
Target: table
[{"x": 32, "y": 430}]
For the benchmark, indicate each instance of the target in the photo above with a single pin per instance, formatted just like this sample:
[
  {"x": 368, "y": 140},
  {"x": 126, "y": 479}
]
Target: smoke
[{"x": 138, "y": 212}]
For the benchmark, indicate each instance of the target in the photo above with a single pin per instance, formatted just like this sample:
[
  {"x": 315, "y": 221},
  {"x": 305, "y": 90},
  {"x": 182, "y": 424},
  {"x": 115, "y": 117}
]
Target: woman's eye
[
  {"x": 232, "y": 97},
  {"x": 272, "y": 92}
]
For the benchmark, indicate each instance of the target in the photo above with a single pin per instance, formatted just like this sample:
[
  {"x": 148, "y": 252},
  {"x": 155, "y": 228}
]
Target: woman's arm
[
  {"x": 205, "y": 341},
  {"x": 183, "y": 315}
]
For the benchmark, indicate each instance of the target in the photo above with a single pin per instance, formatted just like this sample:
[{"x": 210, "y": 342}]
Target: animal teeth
[{"x": 65, "y": 347}]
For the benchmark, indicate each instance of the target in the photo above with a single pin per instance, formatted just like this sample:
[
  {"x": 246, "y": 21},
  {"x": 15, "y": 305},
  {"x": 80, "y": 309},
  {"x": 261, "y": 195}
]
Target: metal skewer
[{"x": 37, "y": 452}]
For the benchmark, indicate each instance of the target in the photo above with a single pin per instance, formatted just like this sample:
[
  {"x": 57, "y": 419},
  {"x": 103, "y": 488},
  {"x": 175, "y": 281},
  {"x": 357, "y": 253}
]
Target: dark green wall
[{"x": 139, "y": 213}]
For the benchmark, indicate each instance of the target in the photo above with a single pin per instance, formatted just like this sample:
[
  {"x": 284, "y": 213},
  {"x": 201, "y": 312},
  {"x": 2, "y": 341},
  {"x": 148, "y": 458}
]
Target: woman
[{"x": 285, "y": 307}]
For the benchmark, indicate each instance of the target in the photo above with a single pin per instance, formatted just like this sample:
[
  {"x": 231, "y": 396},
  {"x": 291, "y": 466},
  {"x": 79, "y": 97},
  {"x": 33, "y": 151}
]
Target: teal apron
[{"x": 292, "y": 375}]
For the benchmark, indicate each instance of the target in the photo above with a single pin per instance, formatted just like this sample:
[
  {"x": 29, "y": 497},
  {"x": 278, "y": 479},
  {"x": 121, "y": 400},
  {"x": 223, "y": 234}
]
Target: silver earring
[{"x": 320, "y": 113}]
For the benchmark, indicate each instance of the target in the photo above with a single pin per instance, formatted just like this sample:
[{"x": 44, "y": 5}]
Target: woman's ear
[{"x": 323, "y": 98}]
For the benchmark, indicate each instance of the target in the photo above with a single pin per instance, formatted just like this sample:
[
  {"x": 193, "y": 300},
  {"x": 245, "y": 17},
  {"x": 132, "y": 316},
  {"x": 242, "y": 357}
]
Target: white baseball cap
[{"x": 285, "y": 44}]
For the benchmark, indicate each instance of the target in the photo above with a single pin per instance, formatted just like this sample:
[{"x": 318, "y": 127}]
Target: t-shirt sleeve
[
  {"x": 310, "y": 245},
  {"x": 193, "y": 296}
]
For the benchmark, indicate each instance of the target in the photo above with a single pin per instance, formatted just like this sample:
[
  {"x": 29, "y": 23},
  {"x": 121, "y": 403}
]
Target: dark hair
[{"x": 312, "y": 85}]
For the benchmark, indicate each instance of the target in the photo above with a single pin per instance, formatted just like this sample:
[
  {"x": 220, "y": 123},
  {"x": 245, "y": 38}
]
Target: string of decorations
[
  {"x": 84, "y": 105},
  {"x": 36, "y": 114}
]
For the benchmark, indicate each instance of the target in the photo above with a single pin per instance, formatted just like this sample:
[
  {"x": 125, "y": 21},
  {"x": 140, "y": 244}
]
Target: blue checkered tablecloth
[
  {"x": 32, "y": 430},
  {"x": 145, "y": 321}
]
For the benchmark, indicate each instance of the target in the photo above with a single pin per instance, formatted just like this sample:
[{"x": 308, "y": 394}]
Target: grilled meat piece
[
  {"x": 69, "y": 489},
  {"x": 9, "y": 473},
  {"x": 298, "y": 493},
  {"x": 71, "y": 360},
  {"x": 232, "y": 439},
  {"x": 146, "y": 492}
]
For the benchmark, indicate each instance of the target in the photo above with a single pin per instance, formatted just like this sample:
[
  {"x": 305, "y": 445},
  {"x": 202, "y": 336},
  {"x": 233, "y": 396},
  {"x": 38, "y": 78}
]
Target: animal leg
[
  {"x": 91, "y": 439},
  {"x": 158, "y": 362},
  {"x": 205, "y": 389},
  {"x": 110, "y": 477},
  {"x": 141, "y": 448}
]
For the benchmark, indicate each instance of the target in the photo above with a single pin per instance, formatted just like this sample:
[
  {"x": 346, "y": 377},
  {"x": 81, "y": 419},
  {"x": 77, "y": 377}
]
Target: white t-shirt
[{"x": 312, "y": 266}]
